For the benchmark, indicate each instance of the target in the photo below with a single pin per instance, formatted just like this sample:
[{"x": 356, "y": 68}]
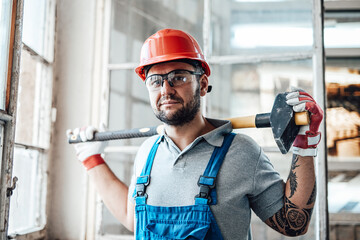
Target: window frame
[
  {"x": 8, "y": 117},
  {"x": 47, "y": 60}
]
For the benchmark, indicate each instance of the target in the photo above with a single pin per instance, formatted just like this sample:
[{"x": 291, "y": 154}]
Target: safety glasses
[{"x": 175, "y": 78}]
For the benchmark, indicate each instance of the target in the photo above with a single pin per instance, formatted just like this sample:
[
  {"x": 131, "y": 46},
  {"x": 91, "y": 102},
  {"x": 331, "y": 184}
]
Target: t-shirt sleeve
[
  {"x": 268, "y": 190},
  {"x": 132, "y": 186}
]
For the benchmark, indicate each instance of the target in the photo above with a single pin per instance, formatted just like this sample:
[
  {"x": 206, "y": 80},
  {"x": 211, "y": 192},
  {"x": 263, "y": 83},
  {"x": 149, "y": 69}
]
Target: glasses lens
[
  {"x": 179, "y": 77},
  {"x": 154, "y": 81}
]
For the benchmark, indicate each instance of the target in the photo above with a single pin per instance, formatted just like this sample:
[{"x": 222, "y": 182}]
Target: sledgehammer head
[{"x": 282, "y": 121}]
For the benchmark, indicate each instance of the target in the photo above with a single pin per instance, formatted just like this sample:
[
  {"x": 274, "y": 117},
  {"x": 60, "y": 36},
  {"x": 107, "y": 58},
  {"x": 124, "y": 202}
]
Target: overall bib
[{"x": 183, "y": 222}]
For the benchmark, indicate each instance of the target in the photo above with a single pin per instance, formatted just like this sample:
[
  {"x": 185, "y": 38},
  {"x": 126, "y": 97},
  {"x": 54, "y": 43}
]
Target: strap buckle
[
  {"x": 206, "y": 184},
  {"x": 141, "y": 183}
]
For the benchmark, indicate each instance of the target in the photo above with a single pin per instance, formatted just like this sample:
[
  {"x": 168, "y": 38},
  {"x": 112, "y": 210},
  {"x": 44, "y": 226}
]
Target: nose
[{"x": 166, "y": 88}]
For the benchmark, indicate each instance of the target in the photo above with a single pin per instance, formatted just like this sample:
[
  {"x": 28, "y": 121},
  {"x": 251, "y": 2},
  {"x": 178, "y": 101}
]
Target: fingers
[
  {"x": 299, "y": 107},
  {"x": 89, "y": 132},
  {"x": 299, "y": 100},
  {"x": 302, "y": 101},
  {"x": 85, "y": 133},
  {"x": 82, "y": 134}
]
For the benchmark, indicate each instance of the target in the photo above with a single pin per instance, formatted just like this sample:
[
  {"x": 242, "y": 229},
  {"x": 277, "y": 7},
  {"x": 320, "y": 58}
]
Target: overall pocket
[{"x": 178, "y": 229}]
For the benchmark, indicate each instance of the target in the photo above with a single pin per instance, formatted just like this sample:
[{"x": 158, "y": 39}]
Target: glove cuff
[
  {"x": 93, "y": 161},
  {"x": 307, "y": 152}
]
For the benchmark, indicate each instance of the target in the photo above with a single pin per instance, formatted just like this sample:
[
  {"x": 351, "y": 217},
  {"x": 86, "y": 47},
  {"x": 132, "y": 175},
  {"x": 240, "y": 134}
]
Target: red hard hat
[{"x": 168, "y": 45}]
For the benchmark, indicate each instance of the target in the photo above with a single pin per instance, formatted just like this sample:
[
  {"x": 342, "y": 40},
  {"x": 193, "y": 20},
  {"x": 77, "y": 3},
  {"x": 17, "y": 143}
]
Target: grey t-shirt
[{"x": 246, "y": 180}]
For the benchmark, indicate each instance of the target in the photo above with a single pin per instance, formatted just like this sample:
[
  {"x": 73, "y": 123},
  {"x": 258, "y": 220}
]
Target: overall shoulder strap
[
  {"x": 207, "y": 194},
  {"x": 144, "y": 179}
]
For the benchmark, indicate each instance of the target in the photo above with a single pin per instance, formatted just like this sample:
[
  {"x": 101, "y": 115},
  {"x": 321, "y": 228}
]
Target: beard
[{"x": 182, "y": 116}]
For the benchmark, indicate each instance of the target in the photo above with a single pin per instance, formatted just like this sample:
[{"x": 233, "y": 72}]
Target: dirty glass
[
  {"x": 39, "y": 28},
  {"x": 34, "y": 102},
  {"x": 26, "y": 204}
]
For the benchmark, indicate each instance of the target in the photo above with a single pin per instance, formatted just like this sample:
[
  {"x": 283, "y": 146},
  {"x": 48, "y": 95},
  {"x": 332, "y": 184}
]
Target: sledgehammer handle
[
  {"x": 263, "y": 120},
  {"x": 259, "y": 120},
  {"x": 121, "y": 134}
]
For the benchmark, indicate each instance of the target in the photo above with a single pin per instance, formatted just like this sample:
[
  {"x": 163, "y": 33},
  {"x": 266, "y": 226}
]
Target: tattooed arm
[{"x": 299, "y": 199}]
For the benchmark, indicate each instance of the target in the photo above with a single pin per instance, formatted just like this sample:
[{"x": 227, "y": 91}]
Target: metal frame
[{"x": 9, "y": 119}]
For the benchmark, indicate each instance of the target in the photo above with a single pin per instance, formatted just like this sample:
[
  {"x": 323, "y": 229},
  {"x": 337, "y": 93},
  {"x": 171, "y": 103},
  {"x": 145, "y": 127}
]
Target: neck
[{"x": 183, "y": 135}]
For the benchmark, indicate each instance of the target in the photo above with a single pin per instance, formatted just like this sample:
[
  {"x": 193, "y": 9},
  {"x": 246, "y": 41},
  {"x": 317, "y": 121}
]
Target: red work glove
[
  {"x": 89, "y": 153},
  {"x": 309, "y": 136}
]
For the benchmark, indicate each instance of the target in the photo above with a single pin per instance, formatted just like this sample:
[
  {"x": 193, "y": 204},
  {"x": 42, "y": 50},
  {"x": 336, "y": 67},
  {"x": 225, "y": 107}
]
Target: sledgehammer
[{"x": 283, "y": 121}]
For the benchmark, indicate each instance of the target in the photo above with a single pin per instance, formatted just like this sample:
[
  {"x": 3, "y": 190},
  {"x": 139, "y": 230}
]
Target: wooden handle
[
  {"x": 243, "y": 122},
  {"x": 301, "y": 118}
]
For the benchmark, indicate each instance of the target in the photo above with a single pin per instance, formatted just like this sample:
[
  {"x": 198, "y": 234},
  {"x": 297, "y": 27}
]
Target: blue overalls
[{"x": 183, "y": 222}]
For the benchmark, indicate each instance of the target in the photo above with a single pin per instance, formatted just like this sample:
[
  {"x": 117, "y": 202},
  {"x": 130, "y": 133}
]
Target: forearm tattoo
[
  {"x": 292, "y": 220},
  {"x": 292, "y": 176}
]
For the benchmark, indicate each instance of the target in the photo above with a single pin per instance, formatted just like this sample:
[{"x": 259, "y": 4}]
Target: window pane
[
  {"x": 342, "y": 34},
  {"x": 132, "y": 23},
  {"x": 27, "y": 204},
  {"x": 5, "y": 27},
  {"x": 38, "y": 28},
  {"x": 34, "y": 102},
  {"x": 122, "y": 165},
  {"x": 261, "y": 27},
  {"x": 129, "y": 105},
  {"x": 248, "y": 89}
]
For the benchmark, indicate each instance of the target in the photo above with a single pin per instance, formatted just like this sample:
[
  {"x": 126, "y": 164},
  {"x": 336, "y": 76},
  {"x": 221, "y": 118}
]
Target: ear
[{"x": 204, "y": 83}]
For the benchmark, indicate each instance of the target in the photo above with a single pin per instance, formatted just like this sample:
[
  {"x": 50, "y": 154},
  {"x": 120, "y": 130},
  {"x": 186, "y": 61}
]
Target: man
[{"x": 198, "y": 180}]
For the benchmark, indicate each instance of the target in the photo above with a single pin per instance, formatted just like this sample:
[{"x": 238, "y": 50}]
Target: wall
[{"x": 72, "y": 98}]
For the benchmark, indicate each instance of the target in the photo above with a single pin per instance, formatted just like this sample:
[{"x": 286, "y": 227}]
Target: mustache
[{"x": 169, "y": 97}]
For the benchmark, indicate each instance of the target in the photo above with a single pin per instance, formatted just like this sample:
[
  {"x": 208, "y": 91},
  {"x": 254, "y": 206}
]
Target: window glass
[
  {"x": 38, "y": 27},
  {"x": 26, "y": 204},
  {"x": 129, "y": 105},
  {"x": 261, "y": 27},
  {"x": 5, "y": 28},
  {"x": 122, "y": 165},
  {"x": 249, "y": 89},
  {"x": 34, "y": 102},
  {"x": 339, "y": 34},
  {"x": 132, "y": 23}
]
